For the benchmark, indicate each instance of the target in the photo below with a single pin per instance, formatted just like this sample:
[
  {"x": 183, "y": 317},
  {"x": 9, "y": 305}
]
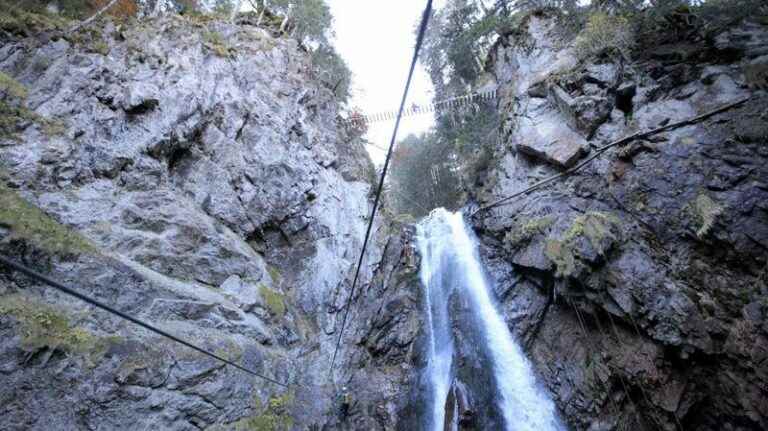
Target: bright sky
[{"x": 376, "y": 39}]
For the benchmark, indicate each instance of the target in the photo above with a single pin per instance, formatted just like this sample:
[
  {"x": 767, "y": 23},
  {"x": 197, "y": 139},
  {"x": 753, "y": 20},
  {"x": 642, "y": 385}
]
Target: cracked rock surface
[
  {"x": 638, "y": 284},
  {"x": 212, "y": 196}
]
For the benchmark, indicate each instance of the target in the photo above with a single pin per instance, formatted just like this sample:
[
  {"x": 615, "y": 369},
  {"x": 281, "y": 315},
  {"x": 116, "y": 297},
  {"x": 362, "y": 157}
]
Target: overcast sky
[{"x": 376, "y": 39}]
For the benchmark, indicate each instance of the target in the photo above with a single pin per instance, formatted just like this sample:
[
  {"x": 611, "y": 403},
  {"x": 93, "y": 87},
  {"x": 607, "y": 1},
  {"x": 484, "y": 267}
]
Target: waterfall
[
  {"x": 435, "y": 251},
  {"x": 450, "y": 264}
]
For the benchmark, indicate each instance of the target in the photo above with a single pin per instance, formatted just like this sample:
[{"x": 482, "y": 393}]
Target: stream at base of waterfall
[{"x": 450, "y": 265}]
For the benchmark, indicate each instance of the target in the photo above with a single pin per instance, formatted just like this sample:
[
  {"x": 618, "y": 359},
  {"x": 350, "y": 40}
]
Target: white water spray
[{"x": 447, "y": 248}]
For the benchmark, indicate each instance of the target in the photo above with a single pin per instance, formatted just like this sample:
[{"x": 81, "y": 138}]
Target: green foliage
[
  {"x": 29, "y": 223},
  {"x": 100, "y": 46},
  {"x": 423, "y": 176},
  {"x": 312, "y": 20},
  {"x": 330, "y": 69},
  {"x": 605, "y": 33},
  {"x": 274, "y": 301},
  {"x": 274, "y": 274}
]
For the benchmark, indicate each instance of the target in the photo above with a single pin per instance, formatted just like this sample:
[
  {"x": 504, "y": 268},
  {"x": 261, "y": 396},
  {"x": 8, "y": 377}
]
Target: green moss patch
[
  {"x": 12, "y": 87},
  {"x": 14, "y": 115},
  {"x": 274, "y": 418},
  {"x": 527, "y": 229},
  {"x": 600, "y": 229},
  {"x": 42, "y": 326},
  {"x": 29, "y": 223},
  {"x": 562, "y": 255},
  {"x": 274, "y": 301},
  {"x": 274, "y": 274}
]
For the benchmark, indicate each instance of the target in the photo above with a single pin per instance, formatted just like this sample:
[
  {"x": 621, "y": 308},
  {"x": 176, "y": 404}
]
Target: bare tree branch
[{"x": 93, "y": 17}]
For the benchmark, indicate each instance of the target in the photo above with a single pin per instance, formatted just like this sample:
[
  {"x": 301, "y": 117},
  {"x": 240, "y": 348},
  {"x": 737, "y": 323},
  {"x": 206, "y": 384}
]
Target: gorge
[{"x": 192, "y": 170}]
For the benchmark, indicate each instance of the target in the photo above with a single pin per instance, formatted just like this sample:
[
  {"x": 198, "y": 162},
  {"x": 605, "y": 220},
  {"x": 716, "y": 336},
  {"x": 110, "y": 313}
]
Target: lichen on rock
[
  {"x": 275, "y": 301},
  {"x": 705, "y": 212},
  {"x": 274, "y": 416},
  {"x": 528, "y": 228},
  {"x": 600, "y": 230}
]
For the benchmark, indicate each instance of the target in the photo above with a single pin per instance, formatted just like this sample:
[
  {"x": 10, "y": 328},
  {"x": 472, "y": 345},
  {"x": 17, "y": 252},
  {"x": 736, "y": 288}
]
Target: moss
[
  {"x": 562, "y": 255},
  {"x": 216, "y": 44},
  {"x": 30, "y": 223},
  {"x": 44, "y": 327},
  {"x": 274, "y": 301},
  {"x": 529, "y": 228},
  {"x": 705, "y": 211},
  {"x": 12, "y": 87},
  {"x": 274, "y": 274},
  {"x": 274, "y": 418},
  {"x": 230, "y": 351},
  {"x": 13, "y": 119},
  {"x": 101, "y": 47},
  {"x": 598, "y": 228}
]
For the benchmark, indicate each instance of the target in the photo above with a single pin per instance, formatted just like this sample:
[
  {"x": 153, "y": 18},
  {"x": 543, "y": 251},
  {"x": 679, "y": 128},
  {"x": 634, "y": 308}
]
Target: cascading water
[
  {"x": 435, "y": 252},
  {"x": 450, "y": 264}
]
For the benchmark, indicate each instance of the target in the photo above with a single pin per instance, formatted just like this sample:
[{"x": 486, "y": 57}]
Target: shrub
[
  {"x": 605, "y": 33},
  {"x": 331, "y": 70}
]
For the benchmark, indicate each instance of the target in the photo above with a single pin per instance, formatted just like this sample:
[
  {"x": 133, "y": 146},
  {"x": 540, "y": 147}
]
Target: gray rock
[
  {"x": 639, "y": 303},
  {"x": 223, "y": 204}
]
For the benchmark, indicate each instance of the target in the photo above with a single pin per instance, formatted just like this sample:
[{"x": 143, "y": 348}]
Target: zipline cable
[
  {"x": 69, "y": 291},
  {"x": 422, "y": 30}
]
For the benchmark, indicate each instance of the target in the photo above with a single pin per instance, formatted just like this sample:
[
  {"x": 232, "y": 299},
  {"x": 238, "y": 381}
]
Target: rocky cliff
[
  {"x": 190, "y": 172},
  {"x": 638, "y": 283}
]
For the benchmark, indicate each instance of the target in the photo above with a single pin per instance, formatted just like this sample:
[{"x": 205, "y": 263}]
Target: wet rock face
[
  {"x": 213, "y": 196},
  {"x": 637, "y": 284}
]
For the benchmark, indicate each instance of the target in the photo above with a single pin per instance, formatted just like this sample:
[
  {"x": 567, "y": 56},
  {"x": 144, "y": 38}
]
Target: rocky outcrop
[
  {"x": 197, "y": 180},
  {"x": 638, "y": 283}
]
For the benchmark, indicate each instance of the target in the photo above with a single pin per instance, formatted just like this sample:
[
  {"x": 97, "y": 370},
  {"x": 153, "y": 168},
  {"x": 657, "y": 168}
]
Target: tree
[{"x": 423, "y": 176}]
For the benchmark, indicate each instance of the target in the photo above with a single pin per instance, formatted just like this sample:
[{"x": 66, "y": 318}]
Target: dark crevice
[
  {"x": 145, "y": 106},
  {"x": 176, "y": 156},
  {"x": 624, "y": 100}
]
